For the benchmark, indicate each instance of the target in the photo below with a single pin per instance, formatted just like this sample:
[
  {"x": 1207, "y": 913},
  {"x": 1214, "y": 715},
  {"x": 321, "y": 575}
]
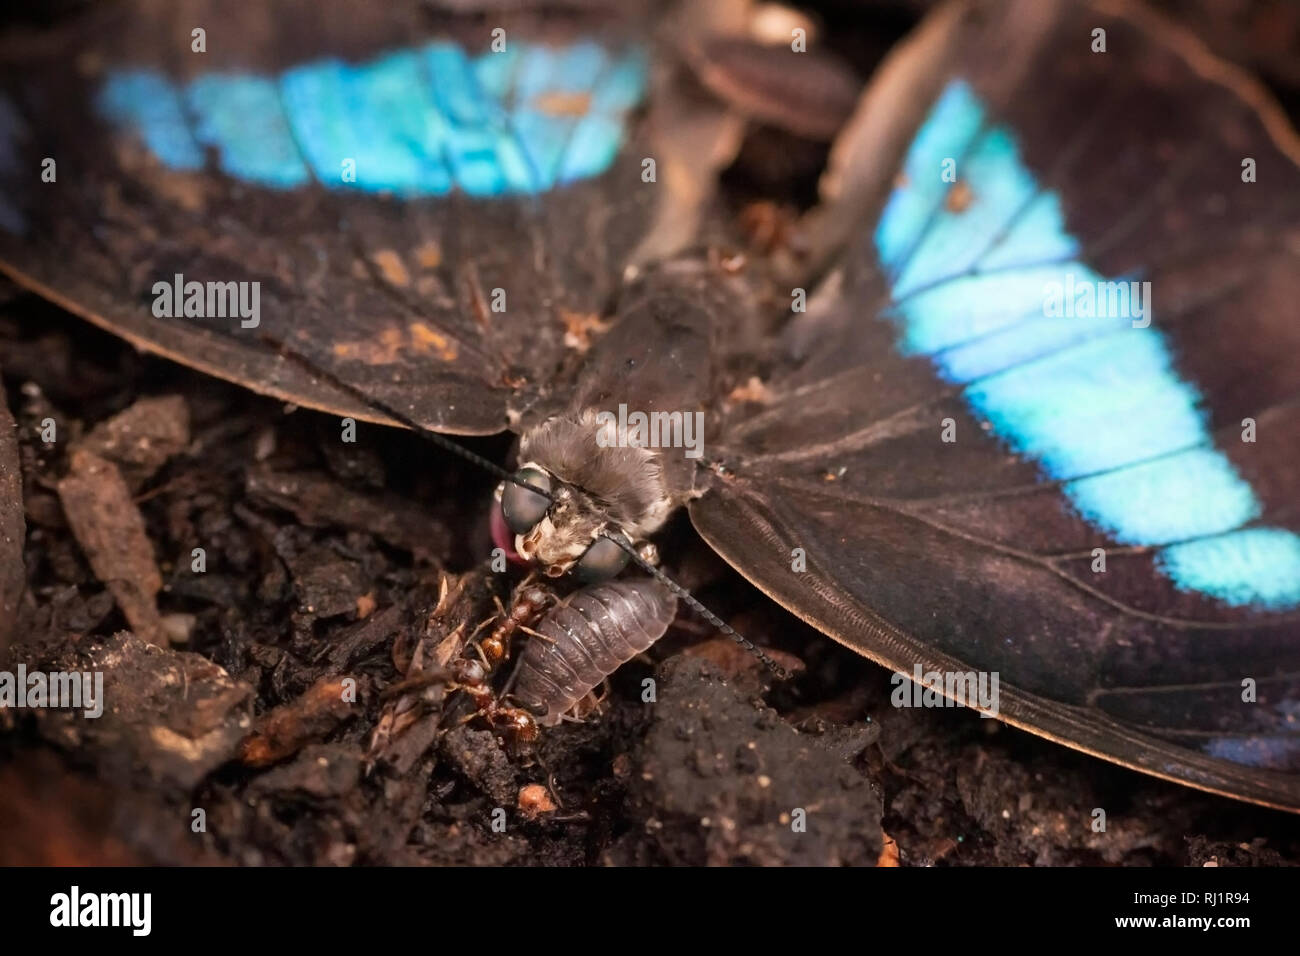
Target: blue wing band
[
  {"x": 417, "y": 122},
  {"x": 1064, "y": 364}
]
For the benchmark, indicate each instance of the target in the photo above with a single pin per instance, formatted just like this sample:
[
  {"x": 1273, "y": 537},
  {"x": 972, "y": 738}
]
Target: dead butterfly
[{"x": 1036, "y": 420}]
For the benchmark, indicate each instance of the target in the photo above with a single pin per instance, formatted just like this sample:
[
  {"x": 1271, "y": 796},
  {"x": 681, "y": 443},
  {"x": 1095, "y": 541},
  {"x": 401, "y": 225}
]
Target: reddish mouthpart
[{"x": 502, "y": 537}]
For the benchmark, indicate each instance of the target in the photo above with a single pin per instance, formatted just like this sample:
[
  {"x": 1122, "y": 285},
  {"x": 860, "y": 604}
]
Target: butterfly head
[
  {"x": 573, "y": 491},
  {"x": 559, "y": 527}
]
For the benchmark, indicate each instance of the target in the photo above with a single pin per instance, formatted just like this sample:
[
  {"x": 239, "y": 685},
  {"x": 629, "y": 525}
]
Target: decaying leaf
[
  {"x": 111, "y": 532},
  {"x": 142, "y": 438},
  {"x": 284, "y": 730}
]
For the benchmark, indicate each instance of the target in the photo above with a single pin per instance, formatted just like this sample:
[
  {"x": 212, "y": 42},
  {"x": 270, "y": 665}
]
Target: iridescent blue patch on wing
[
  {"x": 1064, "y": 364},
  {"x": 471, "y": 127},
  {"x": 1156, "y": 501},
  {"x": 1038, "y": 235},
  {"x": 243, "y": 119},
  {"x": 150, "y": 105},
  {"x": 953, "y": 313},
  {"x": 1251, "y": 566},
  {"x": 1095, "y": 406},
  {"x": 372, "y": 127},
  {"x": 957, "y": 237},
  {"x": 595, "y": 138},
  {"x": 418, "y": 122},
  {"x": 953, "y": 122}
]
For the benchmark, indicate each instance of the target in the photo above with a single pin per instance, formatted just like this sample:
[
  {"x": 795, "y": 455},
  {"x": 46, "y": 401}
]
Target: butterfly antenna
[
  {"x": 442, "y": 441},
  {"x": 777, "y": 670}
]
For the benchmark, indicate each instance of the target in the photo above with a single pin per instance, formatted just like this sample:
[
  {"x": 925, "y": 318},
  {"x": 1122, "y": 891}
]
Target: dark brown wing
[
  {"x": 458, "y": 301},
  {"x": 1180, "y": 655}
]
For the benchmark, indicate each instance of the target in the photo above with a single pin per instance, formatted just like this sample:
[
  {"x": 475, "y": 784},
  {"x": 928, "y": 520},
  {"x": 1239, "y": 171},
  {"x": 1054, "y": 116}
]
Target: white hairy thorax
[{"x": 602, "y": 488}]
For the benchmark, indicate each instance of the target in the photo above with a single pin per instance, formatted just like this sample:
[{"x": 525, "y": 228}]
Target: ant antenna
[{"x": 456, "y": 448}]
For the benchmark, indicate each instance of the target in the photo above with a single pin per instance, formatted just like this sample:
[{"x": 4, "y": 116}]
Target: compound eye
[
  {"x": 601, "y": 561},
  {"x": 521, "y": 507}
]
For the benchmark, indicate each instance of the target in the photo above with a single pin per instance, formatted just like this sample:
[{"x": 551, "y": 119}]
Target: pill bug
[{"x": 585, "y": 639}]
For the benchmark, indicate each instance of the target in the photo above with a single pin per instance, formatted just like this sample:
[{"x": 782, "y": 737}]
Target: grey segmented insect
[{"x": 583, "y": 640}]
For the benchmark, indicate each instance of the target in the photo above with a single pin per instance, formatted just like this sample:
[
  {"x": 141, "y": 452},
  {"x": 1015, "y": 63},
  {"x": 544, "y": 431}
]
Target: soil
[{"x": 252, "y": 711}]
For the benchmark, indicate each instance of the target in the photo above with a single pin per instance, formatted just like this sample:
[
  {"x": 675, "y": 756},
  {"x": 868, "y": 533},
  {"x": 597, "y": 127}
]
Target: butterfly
[{"x": 1027, "y": 412}]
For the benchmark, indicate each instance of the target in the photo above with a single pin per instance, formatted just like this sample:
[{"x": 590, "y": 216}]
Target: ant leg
[
  {"x": 588, "y": 705},
  {"x": 481, "y": 656},
  {"x": 474, "y": 633},
  {"x": 537, "y": 634}
]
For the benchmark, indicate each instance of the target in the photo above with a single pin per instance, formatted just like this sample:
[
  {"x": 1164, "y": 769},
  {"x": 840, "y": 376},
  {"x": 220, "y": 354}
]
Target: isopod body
[{"x": 586, "y": 639}]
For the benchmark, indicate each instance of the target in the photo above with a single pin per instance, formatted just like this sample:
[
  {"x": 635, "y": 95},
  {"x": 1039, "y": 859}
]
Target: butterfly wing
[
  {"x": 1040, "y": 417},
  {"x": 436, "y": 208}
]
